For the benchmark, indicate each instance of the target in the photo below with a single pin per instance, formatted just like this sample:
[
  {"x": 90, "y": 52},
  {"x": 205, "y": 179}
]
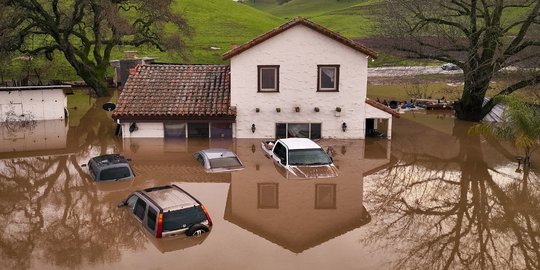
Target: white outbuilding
[{"x": 34, "y": 103}]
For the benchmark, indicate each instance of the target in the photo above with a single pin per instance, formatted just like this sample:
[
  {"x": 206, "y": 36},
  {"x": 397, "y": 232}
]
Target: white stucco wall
[
  {"x": 46, "y": 104},
  {"x": 298, "y": 51}
]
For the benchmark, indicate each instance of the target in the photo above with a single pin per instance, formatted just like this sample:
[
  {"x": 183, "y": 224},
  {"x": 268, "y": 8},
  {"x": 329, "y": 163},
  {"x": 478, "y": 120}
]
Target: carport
[{"x": 378, "y": 118}]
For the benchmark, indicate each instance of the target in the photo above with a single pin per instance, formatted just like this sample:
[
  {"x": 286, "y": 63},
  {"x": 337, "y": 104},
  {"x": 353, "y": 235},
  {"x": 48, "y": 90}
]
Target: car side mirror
[{"x": 122, "y": 203}]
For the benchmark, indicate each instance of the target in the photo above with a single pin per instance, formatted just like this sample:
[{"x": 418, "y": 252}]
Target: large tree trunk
[
  {"x": 469, "y": 106},
  {"x": 93, "y": 75},
  {"x": 96, "y": 80}
]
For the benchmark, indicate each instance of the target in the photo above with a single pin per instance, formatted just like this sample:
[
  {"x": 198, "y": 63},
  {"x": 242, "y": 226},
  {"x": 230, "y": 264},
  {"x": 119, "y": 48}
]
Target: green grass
[
  {"x": 219, "y": 23},
  {"x": 432, "y": 87},
  {"x": 421, "y": 90},
  {"x": 216, "y": 24},
  {"x": 305, "y": 8},
  {"x": 350, "y": 18}
]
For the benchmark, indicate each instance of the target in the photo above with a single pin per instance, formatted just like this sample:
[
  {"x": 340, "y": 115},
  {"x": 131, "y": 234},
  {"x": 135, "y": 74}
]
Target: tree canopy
[
  {"x": 482, "y": 37},
  {"x": 85, "y": 32}
]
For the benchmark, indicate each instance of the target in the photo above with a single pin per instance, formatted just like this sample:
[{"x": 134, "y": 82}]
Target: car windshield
[
  {"x": 308, "y": 157},
  {"x": 226, "y": 162},
  {"x": 183, "y": 218}
]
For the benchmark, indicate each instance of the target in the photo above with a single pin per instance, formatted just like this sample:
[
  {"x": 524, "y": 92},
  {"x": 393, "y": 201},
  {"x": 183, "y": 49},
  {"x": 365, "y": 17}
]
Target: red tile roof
[
  {"x": 302, "y": 21},
  {"x": 382, "y": 107},
  {"x": 167, "y": 91}
]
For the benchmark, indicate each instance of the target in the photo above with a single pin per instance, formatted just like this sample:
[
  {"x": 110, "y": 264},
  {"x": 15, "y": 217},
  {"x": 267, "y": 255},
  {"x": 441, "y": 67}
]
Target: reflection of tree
[
  {"x": 95, "y": 128},
  {"x": 455, "y": 213},
  {"x": 49, "y": 209}
]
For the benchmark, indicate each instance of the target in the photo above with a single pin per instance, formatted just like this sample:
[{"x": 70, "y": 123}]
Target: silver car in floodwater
[{"x": 218, "y": 160}]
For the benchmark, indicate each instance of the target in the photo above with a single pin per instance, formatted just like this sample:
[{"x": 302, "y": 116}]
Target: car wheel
[{"x": 197, "y": 230}]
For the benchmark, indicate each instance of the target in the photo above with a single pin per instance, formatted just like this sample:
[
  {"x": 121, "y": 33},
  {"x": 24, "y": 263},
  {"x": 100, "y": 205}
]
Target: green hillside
[
  {"x": 350, "y": 18},
  {"x": 219, "y": 23},
  {"x": 216, "y": 25}
]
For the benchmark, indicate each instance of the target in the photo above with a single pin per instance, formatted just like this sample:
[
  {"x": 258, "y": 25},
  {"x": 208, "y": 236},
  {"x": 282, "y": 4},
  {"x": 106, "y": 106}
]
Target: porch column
[{"x": 389, "y": 133}]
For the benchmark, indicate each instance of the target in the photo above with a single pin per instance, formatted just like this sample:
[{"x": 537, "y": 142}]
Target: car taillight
[
  {"x": 207, "y": 215},
  {"x": 159, "y": 225}
]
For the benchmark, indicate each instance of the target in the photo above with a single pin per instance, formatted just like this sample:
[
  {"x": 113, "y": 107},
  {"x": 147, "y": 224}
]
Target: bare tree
[
  {"x": 86, "y": 31},
  {"x": 480, "y": 36}
]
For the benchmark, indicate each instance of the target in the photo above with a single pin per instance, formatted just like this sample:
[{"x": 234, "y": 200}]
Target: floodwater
[{"x": 432, "y": 198}]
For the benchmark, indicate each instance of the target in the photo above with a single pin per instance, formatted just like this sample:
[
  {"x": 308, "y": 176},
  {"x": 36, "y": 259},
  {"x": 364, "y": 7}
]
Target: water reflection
[
  {"x": 437, "y": 198},
  {"x": 50, "y": 211},
  {"x": 34, "y": 136},
  {"x": 455, "y": 206},
  {"x": 158, "y": 160},
  {"x": 300, "y": 214},
  {"x": 177, "y": 243}
]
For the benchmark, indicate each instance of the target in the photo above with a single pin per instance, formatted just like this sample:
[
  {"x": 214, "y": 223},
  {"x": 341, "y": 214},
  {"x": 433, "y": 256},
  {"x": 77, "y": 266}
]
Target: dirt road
[{"x": 409, "y": 71}]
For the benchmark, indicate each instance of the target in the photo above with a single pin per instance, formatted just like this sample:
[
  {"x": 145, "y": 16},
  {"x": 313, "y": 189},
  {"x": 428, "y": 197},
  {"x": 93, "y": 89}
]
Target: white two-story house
[
  {"x": 301, "y": 79},
  {"x": 298, "y": 80}
]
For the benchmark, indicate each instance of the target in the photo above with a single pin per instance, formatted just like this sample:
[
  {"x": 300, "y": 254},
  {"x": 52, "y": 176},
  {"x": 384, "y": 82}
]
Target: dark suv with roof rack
[
  {"x": 109, "y": 167},
  {"x": 168, "y": 211}
]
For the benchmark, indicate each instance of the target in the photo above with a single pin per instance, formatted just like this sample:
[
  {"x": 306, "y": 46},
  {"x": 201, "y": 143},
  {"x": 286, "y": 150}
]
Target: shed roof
[
  {"x": 166, "y": 91},
  {"x": 305, "y": 22},
  {"x": 382, "y": 107},
  {"x": 34, "y": 87}
]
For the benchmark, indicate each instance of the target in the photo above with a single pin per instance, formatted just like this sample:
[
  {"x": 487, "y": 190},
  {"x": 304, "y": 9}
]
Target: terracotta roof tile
[
  {"x": 276, "y": 31},
  {"x": 382, "y": 107},
  {"x": 162, "y": 91}
]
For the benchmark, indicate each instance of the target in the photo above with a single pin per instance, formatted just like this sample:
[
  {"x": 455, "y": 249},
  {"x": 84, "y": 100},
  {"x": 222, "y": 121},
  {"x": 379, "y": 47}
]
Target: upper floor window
[
  {"x": 328, "y": 78},
  {"x": 268, "y": 78}
]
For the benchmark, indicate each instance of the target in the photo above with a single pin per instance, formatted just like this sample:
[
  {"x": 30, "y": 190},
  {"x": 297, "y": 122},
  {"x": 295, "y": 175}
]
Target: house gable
[{"x": 300, "y": 21}]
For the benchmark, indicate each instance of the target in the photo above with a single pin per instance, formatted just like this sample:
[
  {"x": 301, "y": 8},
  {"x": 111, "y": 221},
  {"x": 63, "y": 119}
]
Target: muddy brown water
[{"x": 432, "y": 198}]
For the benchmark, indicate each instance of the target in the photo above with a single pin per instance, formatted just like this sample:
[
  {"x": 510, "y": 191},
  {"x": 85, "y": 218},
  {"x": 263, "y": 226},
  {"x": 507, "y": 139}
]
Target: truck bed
[{"x": 267, "y": 147}]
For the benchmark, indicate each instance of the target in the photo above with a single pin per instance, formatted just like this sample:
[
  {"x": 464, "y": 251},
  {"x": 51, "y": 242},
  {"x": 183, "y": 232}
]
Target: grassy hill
[
  {"x": 350, "y": 18},
  {"x": 219, "y": 23},
  {"x": 216, "y": 25}
]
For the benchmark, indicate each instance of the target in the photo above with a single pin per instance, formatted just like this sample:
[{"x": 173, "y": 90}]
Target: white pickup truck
[{"x": 301, "y": 157}]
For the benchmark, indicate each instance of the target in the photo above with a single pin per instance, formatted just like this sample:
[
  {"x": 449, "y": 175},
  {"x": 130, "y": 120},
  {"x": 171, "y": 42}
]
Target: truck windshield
[{"x": 308, "y": 157}]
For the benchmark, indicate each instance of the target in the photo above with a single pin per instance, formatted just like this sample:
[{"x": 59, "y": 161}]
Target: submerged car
[
  {"x": 300, "y": 156},
  {"x": 218, "y": 160},
  {"x": 168, "y": 211},
  {"x": 110, "y": 167}
]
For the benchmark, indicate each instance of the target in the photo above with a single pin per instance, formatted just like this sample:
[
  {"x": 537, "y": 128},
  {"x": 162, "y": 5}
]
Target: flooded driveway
[{"x": 432, "y": 198}]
